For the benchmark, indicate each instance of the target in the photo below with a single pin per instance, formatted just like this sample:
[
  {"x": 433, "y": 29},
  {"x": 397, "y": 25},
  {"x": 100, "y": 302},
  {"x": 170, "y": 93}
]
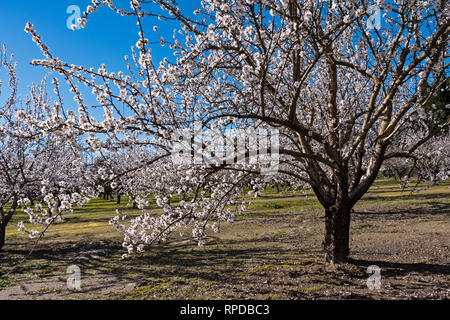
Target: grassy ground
[{"x": 271, "y": 252}]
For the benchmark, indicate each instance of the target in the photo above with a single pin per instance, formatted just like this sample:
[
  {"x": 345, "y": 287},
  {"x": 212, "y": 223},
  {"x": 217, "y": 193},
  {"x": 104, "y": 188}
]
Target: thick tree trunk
[
  {"x": 337, "y": 234},
  {"x": 5, "y": 217},
  {"x": 2, "y": 235}
]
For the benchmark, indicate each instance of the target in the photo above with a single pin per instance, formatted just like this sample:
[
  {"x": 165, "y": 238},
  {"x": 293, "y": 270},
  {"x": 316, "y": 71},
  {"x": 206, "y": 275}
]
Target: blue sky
[{"x": 106, "y": 39}]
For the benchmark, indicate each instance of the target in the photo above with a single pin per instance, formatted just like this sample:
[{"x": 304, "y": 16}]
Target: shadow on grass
[
  {"x": 414, "y": 196},
  {"x": 434, "y": 208},
  {"x": 219, "y": 264},
  {"x": 222, "y": 264},
  {"x": 401, "y": 269}
]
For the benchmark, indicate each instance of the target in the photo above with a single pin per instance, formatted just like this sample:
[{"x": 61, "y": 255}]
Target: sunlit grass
[{"x": 92, "y": 219}]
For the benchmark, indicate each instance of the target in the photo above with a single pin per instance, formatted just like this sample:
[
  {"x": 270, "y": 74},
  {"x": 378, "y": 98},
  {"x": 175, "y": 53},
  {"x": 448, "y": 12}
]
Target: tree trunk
[
  {"x": 4, "y": 219},
  {"x": 337, "y": 234},
  {"x": 2, "y": 235}
]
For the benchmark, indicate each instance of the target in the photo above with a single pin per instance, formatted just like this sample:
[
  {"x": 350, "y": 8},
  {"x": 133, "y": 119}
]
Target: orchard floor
[{"x": 272, "y": 252}]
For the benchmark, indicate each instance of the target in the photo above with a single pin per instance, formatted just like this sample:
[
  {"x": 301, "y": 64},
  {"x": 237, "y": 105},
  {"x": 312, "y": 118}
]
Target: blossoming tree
[
  {"x": 40, "y": 173},
  {"x": 341, "y": 89}
]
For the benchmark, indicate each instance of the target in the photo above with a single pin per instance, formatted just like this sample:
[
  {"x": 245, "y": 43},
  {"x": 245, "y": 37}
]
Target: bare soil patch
[{"x": 270, "y": 254}]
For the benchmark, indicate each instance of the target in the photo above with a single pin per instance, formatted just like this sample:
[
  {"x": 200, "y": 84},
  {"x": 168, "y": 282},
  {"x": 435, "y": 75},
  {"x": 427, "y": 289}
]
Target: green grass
[
  {"x": 4, "y": 284},
  {"x": 273, "y": 251},
  {"x": 92, "y": 219}
]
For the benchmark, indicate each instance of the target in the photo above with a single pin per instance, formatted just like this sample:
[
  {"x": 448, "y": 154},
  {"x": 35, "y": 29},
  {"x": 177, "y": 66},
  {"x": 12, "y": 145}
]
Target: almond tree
[
  {"x": 431, "y": 160},
  {"x": 40, "y": 173},
  {"x": 341, "y": 86}
]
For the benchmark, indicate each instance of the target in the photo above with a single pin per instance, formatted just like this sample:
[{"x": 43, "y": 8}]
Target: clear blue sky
[{"x": 106, "y": 39}]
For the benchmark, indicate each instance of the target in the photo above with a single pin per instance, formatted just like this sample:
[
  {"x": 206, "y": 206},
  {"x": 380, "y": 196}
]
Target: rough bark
[
  {"x": 2, "y": 235},
  {"x": 337, "y": 234},
  {"x": 5, "y": 217}
]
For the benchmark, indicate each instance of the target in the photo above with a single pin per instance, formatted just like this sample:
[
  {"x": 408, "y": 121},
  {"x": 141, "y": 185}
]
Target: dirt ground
[{"x": 274, "y": 252}]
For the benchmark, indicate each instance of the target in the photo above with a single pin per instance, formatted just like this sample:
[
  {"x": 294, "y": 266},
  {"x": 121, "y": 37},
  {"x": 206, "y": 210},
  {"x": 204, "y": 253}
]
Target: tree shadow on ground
[
  {"x": 413, "y": 196},
  {"x": 395, "y": 269},
  {"x": 431, "y": 209},
  {"x": 218, "y": 263}
]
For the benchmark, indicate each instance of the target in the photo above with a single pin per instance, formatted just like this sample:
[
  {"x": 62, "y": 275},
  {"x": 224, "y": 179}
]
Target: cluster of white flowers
[
  {"x": 41, "y": 172},
  {"x": 341, "y": 104}
]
